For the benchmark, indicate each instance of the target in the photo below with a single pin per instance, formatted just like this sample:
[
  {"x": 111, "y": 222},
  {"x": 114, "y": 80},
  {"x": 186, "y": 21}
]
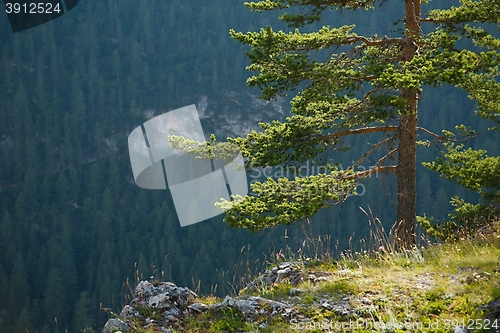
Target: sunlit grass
[{"x": 436, "y": 283}]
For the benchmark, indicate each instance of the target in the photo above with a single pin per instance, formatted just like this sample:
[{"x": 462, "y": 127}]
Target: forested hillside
[{"x": 74, "y": 227}]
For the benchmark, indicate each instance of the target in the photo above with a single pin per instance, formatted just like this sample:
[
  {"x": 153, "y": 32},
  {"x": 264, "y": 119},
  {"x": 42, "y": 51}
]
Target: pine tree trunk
[{"x": 407, "y": 162}]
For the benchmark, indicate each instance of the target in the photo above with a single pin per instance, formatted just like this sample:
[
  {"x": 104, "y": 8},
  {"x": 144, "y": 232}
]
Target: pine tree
[
  {"x": 19, "y": 287},
  {"x": 23, "y": 323},
  {"x": 6, "y": 230},
  {"x": 55, "y": 302},
  {"x": 82, "y": 314},
  {"x": 352, "y": 85},
  {"x": 475, "y": 170}
]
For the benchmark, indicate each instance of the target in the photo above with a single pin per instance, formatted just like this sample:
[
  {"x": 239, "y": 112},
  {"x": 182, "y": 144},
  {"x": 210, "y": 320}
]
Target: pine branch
[
  {"x": 367, "y": 173},
  {"x": 444, "y": 138},
  {"x": 436, "y": 136},
  {"x": 428, "y": 19},
  {"x": 385, "y": 41},
  {"x": 364, "y": 130}
]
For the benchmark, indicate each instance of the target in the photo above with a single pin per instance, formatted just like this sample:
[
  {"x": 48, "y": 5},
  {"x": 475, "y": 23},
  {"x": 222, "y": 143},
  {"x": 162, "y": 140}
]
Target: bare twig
[
  {"x": 367, "y": 173},
  {"x": 386, "y": 156},
  {"x": 375, "y": 146}
]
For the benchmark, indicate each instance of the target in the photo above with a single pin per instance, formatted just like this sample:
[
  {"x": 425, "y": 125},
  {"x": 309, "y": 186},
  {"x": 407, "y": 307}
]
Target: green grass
[
  {"x": 338, "y": 287},
  {"x": 431, "y": 288}
]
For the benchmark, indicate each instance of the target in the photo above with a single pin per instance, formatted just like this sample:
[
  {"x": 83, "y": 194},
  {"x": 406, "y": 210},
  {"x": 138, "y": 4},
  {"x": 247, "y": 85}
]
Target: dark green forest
[{"x": 76, "y": 233}]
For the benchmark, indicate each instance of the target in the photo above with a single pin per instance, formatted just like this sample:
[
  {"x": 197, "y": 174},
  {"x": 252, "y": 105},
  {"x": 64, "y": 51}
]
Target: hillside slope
[{"x": 439, "y": 288}]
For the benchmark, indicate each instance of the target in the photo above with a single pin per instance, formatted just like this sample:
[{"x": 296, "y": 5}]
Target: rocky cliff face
[{"x": 162, "y": 306}]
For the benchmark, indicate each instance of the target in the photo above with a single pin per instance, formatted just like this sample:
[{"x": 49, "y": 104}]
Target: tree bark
[{"x": 407, "y": 134}]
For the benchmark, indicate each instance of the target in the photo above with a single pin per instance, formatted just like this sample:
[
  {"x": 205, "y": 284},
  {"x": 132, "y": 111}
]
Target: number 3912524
[{"x": 32, "y": 8}]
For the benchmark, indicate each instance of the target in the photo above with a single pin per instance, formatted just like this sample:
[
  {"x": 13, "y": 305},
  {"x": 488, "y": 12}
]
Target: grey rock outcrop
[
  {"x": 255, "y": 306},
  {"x": 163, "y": 306},
  {"x": 341, "y": 308},
  {"x": 292, "y": 271},
  {"x": 198, "y": 307},
  {"x": 114, "y": 326},
  {"x": 165, "y": 295},
  {"x": 155, "y": 304}
]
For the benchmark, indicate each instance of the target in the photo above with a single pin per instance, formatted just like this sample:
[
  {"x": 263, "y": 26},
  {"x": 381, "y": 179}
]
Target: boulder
[
  {"x": 198, "y": 307},
  {"x": 128, "y": 313},
  {"x": 291, "y": 271},
  {"x": 115, "y": 325},
  {"x": 163, "y": 295},
  {"x": 154, "y": 304}
]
